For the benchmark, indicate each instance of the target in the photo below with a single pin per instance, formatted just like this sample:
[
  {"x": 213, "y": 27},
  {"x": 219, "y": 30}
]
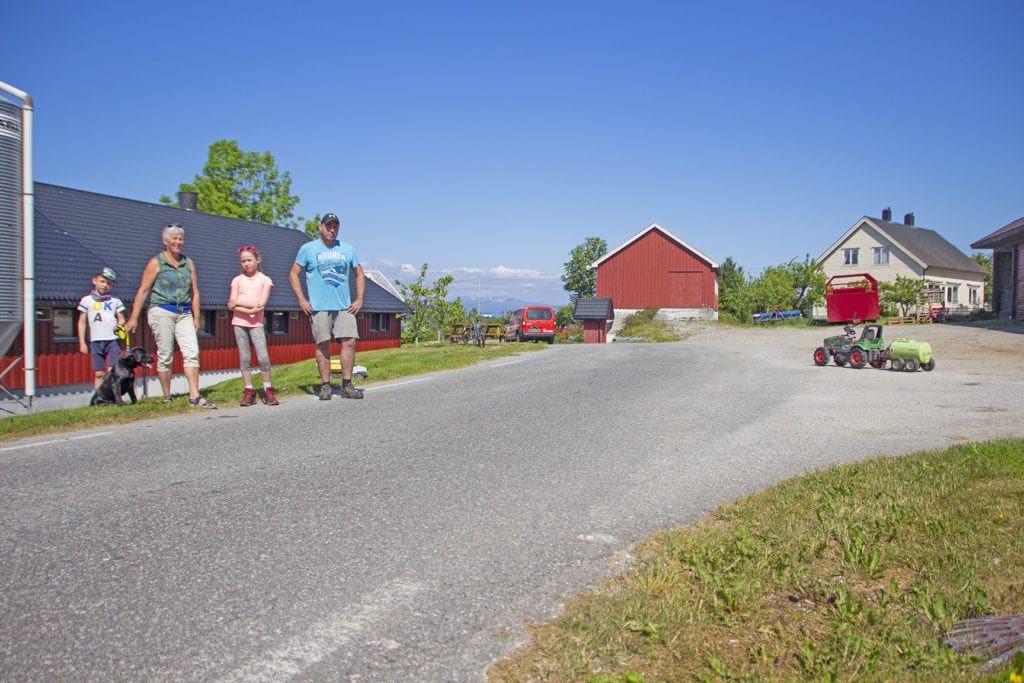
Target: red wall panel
[{"x": 656, "y": 271}]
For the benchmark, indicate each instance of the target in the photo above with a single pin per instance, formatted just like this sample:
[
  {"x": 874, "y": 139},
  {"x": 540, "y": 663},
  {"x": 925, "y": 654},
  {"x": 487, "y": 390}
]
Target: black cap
[{"x": 330, "y": 218}]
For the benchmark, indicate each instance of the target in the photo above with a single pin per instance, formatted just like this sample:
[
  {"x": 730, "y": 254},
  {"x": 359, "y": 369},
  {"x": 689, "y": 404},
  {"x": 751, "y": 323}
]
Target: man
[{"x": 328, "y": 263}]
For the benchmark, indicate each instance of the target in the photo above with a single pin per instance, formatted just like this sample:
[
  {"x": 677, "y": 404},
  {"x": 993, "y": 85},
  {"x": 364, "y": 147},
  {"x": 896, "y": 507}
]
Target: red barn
[{"x": 656, "y": 268}]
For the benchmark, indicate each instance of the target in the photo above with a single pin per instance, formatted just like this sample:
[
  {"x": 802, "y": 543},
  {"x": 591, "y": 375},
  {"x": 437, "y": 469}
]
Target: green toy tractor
[{"x": 870, "y": 349}]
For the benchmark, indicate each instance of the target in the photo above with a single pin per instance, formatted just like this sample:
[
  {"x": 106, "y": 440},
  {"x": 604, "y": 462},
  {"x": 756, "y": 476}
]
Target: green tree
[
  {"x": 985, "y": 261},
  {"x": 423, "y": 299},
  {"x": 903, "y": 292},
  {"x": 563, "y": 316},
  {"x": 579, "y": 278},
  {"x": 444, "y": 313},
  {"x": 734, "y": 302},
  {"x": 774, "y": 289},
  {"x": 809, "y": 280},
  {"x": 246, "y": 185}
]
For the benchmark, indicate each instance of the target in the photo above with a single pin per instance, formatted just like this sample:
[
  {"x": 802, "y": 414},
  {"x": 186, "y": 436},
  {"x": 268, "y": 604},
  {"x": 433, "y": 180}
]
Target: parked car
[{"x": 531, "y": 322}]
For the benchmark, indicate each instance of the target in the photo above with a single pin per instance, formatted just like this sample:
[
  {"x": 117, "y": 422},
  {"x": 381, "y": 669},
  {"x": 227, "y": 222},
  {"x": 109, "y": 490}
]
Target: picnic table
[{"x": 463, "y": 332}]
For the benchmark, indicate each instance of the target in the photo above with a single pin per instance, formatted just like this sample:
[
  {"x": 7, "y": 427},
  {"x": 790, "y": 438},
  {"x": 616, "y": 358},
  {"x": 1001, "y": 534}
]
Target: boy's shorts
[
  {"x": 330, "y": 325},
  {"x": 104, "y": 351}
]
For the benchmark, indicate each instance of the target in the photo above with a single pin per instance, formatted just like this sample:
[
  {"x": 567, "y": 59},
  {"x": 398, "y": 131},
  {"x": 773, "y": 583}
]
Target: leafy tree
[
  {"x": 733, "y": 292},
  {"x": 563, "y": 316},
  {"x": 579, "y": 278},
  {"x": 445, "y": 313},
  {"x": 985, "y": 261},
  {"x": 809, "y": 280},
  {"x": 903, "y": 292},
  {"x": 246, "y": 185},
  {"x": 774, "y": 289},
  {"x": 423, "y": 299}
]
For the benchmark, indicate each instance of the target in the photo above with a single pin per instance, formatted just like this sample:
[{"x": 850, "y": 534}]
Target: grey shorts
[{"x": 330, "y": 325}]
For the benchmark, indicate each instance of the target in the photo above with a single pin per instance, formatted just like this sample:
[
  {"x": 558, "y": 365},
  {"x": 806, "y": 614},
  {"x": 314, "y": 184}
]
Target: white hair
[{"x": 173, "y": 229}]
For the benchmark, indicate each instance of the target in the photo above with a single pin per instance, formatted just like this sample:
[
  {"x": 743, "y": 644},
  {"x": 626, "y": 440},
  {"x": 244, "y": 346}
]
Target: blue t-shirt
[{"x": 327, "y": 272}]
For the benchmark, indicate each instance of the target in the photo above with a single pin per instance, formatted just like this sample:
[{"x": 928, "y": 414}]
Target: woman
[{"x": 173, "y": 312}]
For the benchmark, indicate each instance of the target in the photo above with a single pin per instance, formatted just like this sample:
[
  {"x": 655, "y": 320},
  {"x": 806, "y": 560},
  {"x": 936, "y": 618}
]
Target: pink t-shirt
[{"x": 248, "y": 291}]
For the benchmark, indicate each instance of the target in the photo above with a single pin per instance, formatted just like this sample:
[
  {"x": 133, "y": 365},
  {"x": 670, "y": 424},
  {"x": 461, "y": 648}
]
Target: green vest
[{"x": 173, "y": 286}]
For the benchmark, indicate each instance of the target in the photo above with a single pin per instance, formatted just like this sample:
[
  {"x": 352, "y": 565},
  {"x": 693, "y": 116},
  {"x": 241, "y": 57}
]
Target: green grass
[
  {"x": 289, "y": 380},
  {"x": 642, "y": 325},
  {"x": 848, "y": 574}
]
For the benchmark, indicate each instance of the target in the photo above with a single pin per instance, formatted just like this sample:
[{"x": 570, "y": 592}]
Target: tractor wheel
[
  {"x": 876, "y": 364},
  {"x": 897, "y": 364},
  {"x": 820, "y": 356},
  {"x": 857, "y": 359},
  {"x": 929, "y": 366},
  {"x": 839, "y": 359},
  {"x": 912, "y": 365}
]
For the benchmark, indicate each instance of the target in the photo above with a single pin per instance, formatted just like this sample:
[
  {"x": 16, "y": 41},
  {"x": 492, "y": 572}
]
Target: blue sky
[{"x": 488, "y": 139}]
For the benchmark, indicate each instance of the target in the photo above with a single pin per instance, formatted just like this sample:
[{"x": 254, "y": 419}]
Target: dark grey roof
[
  {"x": 929, "y": 247},
  {"x": 1010, "y": 234},
  {"x": 593, "y": 309},
  {"x": 77, "y": 233}
]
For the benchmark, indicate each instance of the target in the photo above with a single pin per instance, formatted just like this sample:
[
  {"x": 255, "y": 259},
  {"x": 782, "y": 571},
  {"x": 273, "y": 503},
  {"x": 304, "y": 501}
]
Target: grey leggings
[{"x": 259, "y": 341}]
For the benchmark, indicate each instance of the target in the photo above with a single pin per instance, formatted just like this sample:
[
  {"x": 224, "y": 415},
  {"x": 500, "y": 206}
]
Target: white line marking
[
  {"x": 53, "y": 441},
  {"x": 398, "y": 384},
  {"x": 326, "y": 637},
  {"x": 511, "y": 362}
]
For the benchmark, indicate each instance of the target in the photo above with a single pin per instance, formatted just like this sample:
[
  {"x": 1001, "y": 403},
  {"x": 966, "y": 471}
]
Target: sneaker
[
  {"x": 248, "y": 398},
  {"x": 167, "y": 399},
  {"x": 350, "y": 391},
  {"x": 325, "y": 391},
  {"x": 269, "y": 398}
]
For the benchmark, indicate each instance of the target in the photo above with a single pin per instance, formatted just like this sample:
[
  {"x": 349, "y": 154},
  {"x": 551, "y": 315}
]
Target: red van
[{"x": 531, "y": 322}]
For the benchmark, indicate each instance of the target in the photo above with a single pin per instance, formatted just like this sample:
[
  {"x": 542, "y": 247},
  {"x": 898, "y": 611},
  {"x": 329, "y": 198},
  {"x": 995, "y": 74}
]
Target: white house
[{"x": 884, "y": 249}]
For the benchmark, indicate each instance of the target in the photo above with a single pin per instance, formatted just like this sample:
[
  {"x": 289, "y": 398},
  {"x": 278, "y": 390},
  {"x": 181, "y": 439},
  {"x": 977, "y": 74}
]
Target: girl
[{"x": 250, "y": 291}]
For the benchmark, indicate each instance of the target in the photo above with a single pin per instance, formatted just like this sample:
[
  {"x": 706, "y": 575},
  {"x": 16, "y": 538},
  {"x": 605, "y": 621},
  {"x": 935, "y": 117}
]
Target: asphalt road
[{"x": 408, "y": 536}]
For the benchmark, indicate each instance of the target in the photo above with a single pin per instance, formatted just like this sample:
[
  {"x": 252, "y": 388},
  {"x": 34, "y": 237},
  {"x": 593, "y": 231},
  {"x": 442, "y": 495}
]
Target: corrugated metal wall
[
  {"x": 59, "y": 362},
  {"x": 656, "y": 271}
]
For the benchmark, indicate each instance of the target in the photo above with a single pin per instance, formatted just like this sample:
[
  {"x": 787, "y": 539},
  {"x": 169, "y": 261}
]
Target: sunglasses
[{"x": 251, "y": 248}]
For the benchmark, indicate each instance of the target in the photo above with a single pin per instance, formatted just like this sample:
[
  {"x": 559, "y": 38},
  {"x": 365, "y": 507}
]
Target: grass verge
[
  {"x": 851, "y": 573},
  {"x": 642, "y": 325},
  {"x": 289, "y": 380}
]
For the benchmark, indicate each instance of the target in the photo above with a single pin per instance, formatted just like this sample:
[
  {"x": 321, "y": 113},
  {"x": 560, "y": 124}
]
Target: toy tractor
[{"x": 870, "y": 349}]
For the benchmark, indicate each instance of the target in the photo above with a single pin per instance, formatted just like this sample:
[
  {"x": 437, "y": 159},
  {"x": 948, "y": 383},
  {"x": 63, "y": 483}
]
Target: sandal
[
  {"x": 167, "y": 399},
  {"x": 200, "y": 402}
]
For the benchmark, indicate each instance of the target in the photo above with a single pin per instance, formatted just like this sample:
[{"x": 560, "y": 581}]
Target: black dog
[{"x": 121, "y": 378}]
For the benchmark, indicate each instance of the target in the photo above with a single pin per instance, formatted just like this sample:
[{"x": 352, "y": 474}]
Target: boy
[{"x": 105, "y": 315}]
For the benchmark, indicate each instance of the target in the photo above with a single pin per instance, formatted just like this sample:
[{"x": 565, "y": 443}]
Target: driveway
[{"x": 408, "y": 536}]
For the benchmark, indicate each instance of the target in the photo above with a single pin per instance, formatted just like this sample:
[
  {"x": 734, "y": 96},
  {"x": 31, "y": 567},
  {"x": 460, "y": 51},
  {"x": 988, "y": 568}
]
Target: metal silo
[{"x": 11, "y": 226}]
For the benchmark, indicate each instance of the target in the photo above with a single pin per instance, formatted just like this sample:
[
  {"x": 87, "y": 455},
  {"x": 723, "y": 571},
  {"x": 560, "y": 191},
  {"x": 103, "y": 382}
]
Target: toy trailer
[{"x": 855, "y": 299}]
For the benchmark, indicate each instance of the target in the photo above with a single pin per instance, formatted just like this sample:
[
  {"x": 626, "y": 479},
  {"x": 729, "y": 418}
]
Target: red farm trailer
[{"x": 851, "y": 298}]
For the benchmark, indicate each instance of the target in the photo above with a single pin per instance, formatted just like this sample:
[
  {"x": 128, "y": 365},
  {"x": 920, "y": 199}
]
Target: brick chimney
[
  {"x": 887, "y": 214},
  {"x": 188, "y": 201},
  {"x": 908, "y": 219}
]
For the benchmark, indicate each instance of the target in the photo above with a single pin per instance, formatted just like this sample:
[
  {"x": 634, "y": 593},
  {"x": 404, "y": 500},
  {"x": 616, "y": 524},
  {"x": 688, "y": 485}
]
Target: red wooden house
[
  {"x": 656, "y": 268},
  {"x": 77, "y": 233}
]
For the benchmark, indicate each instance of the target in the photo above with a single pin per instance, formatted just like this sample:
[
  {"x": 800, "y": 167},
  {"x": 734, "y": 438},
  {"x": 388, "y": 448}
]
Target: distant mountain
[{"x": 500, "y": 306}]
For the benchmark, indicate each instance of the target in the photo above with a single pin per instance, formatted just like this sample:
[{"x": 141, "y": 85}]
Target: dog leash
[{"x": 122, "y": 334}]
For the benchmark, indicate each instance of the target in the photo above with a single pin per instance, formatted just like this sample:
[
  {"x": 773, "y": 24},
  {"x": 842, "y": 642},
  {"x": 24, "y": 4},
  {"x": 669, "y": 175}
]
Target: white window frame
[
  {"x": 880, "y": 255},
  {"x": 851, "y": 256}
]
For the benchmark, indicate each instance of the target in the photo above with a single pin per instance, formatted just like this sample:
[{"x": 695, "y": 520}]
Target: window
[
  {"x": 276, "y": 322},
  {"x": 851, "y": 257},
  {"x": 973, "y": 296},
  {"x": 380, "y": 322},
  {"x": 952, "y": 294},
  {"x": 64, "y": 323},
  {"x": 881, "y": 255},
  {"x": 207, "y": 323}
]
